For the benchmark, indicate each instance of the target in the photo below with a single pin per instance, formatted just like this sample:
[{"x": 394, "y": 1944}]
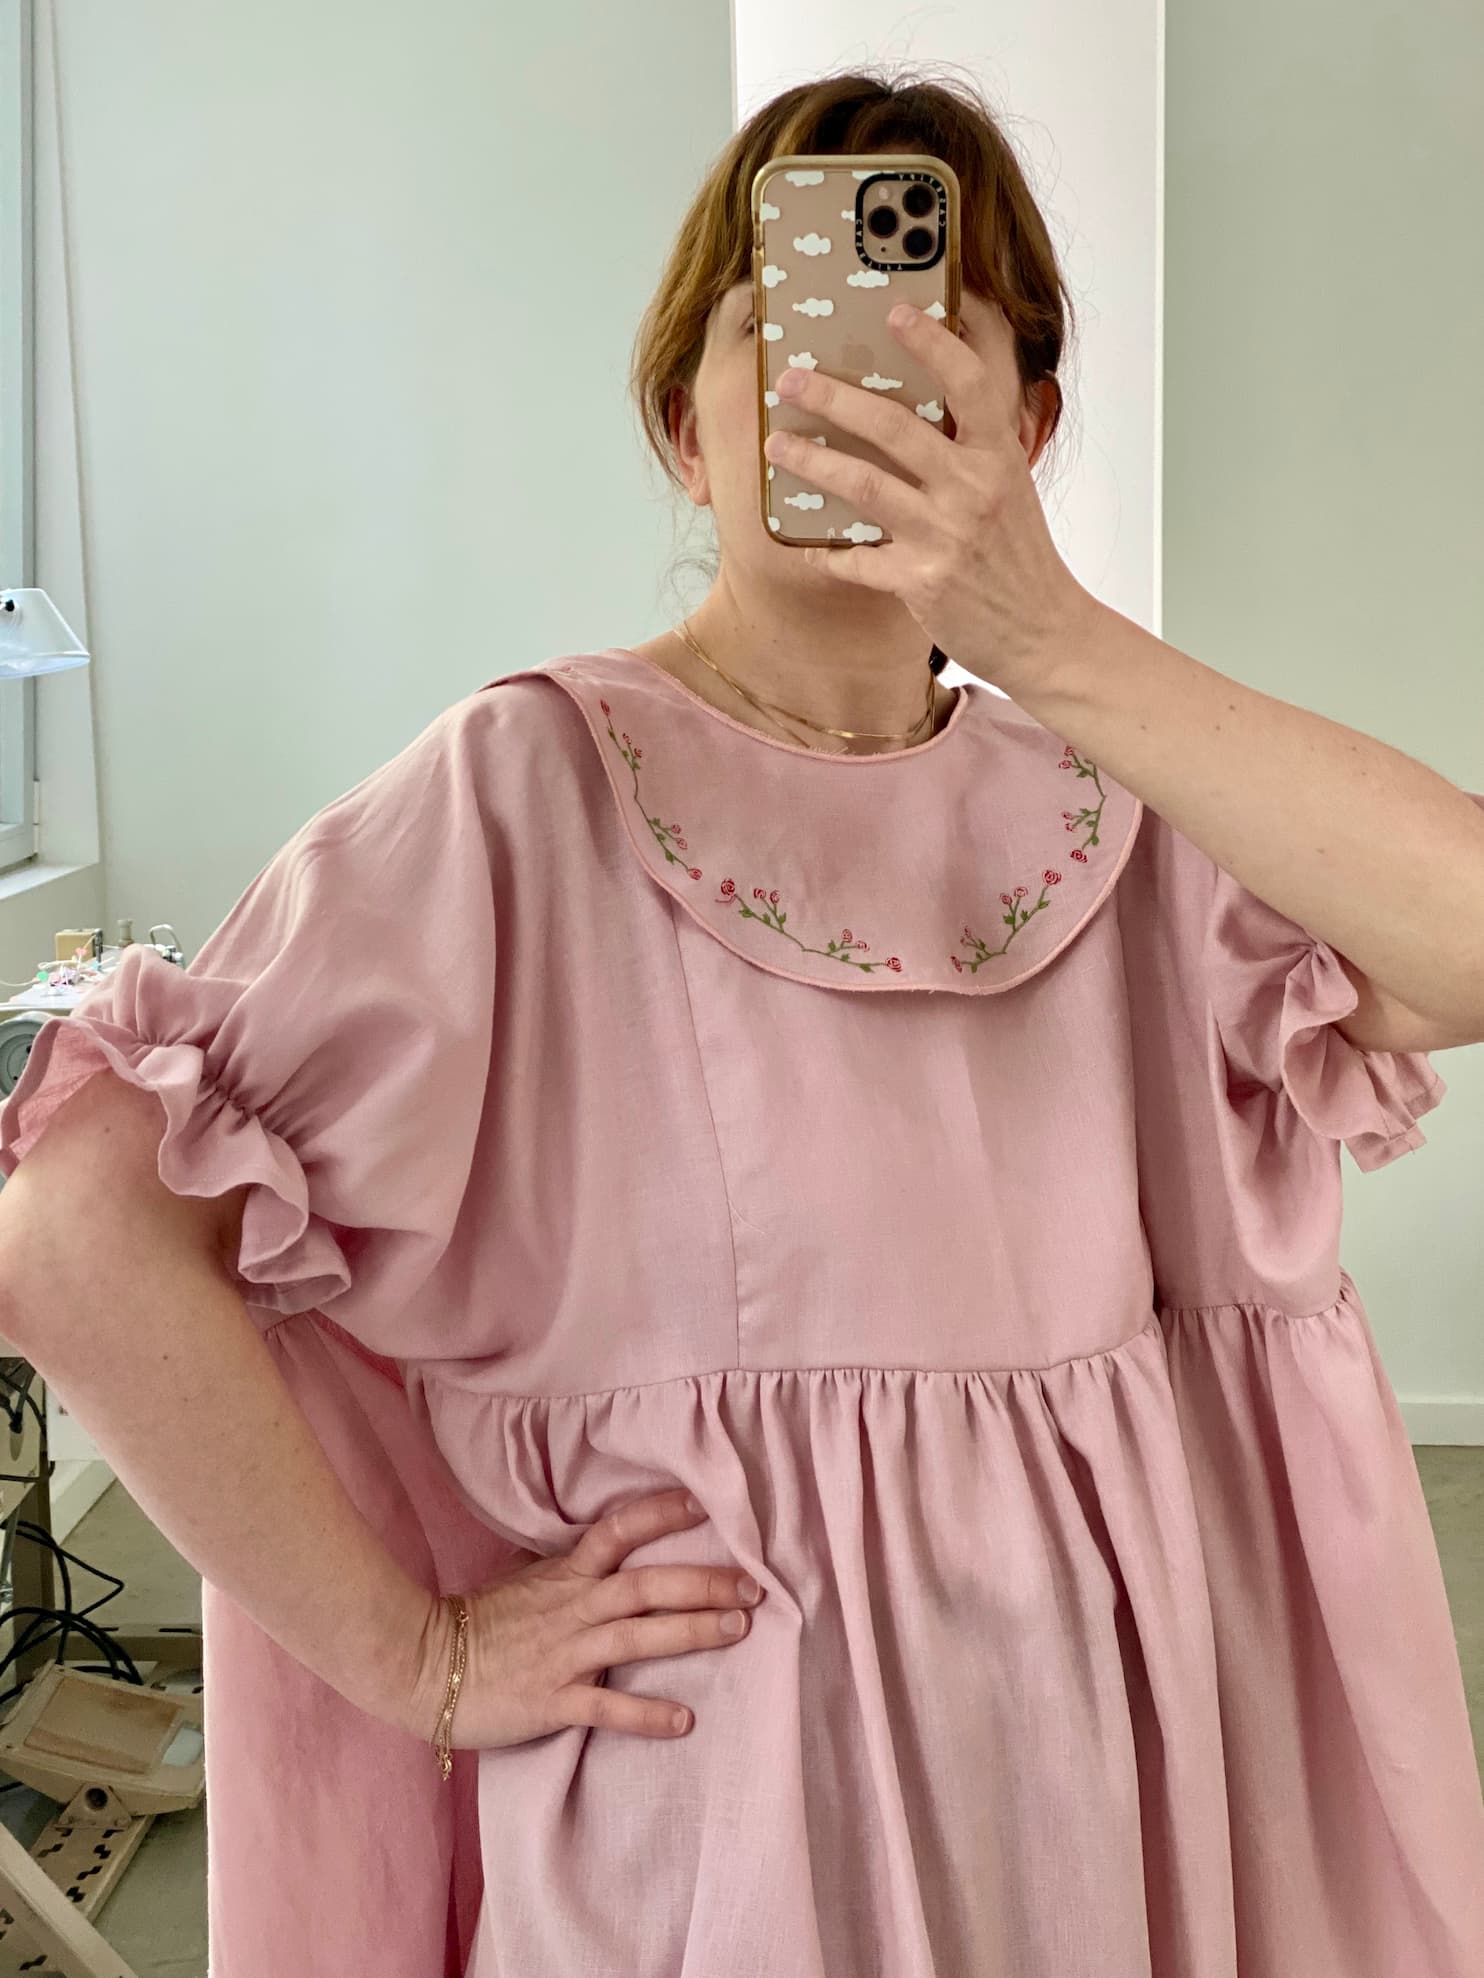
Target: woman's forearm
[{"x": 156, "y": 1355}]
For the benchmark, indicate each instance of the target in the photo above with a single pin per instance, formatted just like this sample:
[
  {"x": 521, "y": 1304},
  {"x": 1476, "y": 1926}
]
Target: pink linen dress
[{"x": 931, "y": 1159}]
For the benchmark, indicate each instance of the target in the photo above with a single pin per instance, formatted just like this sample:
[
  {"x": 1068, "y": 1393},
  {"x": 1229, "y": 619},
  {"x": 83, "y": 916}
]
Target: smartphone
[{"x": 838, "y": 239}]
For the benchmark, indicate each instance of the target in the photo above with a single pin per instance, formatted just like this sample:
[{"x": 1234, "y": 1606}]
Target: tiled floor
[{"x": 156, "y": 1918}]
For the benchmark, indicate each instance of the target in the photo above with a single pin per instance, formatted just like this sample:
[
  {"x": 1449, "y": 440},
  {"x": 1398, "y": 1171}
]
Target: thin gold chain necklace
[{"x": 845, "y": 734}]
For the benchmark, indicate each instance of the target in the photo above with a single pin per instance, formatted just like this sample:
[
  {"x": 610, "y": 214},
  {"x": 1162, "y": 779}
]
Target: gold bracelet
[{"x": 439, "y": 1740}]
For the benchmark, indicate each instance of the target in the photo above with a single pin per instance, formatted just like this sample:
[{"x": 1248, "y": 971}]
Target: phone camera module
[{"x": 888, "y": 206}]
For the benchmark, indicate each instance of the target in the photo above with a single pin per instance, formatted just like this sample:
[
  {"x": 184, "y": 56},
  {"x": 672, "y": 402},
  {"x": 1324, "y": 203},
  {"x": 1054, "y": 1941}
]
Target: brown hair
[{"x": 1007, "y": 251}]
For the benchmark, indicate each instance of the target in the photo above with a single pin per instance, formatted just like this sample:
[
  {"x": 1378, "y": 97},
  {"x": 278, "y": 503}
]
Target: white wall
[{"x": 352, "y": 292}]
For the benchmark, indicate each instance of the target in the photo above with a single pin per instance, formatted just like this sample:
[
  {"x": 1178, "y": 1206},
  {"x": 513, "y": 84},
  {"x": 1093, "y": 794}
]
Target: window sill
[{"x": 27, "y": 878}]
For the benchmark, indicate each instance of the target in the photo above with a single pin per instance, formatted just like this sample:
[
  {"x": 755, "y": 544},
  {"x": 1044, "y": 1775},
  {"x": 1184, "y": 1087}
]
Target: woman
[{"x": 559, "y": 1121}]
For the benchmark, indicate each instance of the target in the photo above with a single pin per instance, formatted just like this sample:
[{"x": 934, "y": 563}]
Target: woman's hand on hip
[{"x": 542, "y": 1636}]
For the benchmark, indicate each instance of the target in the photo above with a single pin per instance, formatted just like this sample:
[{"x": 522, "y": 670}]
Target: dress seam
[
  {"x": 392, "y": 1368},
  {"x": 1256, "y": 1298},
  {"x": 429, "y": 1375},
  {"x": 726, "y": 1193}
]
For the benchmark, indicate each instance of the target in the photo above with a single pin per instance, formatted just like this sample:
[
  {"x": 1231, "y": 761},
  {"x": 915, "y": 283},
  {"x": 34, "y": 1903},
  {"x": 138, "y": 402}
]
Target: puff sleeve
[
  {"x": 329, "y": 1044},
  {"x": 1276, "y": 992}
]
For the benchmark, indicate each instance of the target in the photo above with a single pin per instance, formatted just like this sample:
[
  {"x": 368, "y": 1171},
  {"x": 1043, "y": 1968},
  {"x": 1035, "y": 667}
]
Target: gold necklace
[{"x": 846, "y": 734}]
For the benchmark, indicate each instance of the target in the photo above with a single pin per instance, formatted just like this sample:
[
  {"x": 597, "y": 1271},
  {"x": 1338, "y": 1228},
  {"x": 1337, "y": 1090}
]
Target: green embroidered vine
[
  {"x": 836, "y": 951},
  {"x": 772, "y": 915},
  {"x": 1018, "y": 916},
  {"x": 663, "y": 833}
]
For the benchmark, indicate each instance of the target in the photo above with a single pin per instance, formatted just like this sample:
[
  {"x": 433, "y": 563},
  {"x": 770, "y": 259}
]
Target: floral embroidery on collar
[
  {"x": 1017, "y": 917},
  {"x": 773, "y": 916},
  {"x": 836, "y": 951}
]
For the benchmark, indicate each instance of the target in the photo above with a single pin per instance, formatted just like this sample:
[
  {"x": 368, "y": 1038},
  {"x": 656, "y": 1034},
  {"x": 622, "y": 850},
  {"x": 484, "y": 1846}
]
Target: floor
[{"x": 156, "y": 1918}]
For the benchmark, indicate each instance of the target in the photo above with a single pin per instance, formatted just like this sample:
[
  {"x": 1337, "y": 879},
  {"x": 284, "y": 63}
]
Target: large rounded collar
[{"x": 966, "y": 863}]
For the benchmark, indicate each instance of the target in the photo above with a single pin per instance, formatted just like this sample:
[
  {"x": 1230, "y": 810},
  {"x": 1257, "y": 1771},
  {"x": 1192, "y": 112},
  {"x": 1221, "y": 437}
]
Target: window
[{"x": 17, "y": 427}]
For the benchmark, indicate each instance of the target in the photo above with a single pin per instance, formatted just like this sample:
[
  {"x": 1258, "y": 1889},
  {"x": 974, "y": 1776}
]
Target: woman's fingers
[
  {"x": 701, "y": 1609},
  {"x": 617, "y": 1710},
  {"x": 643, "y": 1589},
  {"x": 605, "y": 1545},
  {"x": 639, "y": 1637}
]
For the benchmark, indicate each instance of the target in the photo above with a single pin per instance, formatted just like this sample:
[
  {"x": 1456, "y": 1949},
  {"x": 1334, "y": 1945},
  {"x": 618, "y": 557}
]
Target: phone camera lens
[
  {"x": 919, "y": 200},
  {"x": 917, "y": 240},
  {"x": 882, "y": 222}
]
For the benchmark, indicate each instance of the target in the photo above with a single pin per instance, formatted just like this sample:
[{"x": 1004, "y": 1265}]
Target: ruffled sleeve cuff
[
  {"x": 1370, "y": 1100},
  {"x": 290, "y": 1259},
  {"x": 1277, "y": 992}
]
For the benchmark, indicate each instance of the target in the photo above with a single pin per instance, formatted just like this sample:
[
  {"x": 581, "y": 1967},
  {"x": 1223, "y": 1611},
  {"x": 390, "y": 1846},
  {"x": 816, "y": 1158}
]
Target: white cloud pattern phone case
[{"x": 837, "y": 242}]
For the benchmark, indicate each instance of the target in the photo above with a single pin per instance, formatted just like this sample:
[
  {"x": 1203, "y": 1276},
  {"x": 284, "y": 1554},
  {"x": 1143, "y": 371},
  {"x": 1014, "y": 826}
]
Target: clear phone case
[{"x": 837, "y": 242}]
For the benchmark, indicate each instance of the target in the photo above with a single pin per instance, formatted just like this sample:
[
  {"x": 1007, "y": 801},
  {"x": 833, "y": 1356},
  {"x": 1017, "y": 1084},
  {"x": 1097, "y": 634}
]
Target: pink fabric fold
[
  {"x": 334, "y": 1846},
  {"x": 289, "y": 1256},
  {"x": 984, "y": 1655},
  {"x": 311, "y": 1050},
  {"x": 1278, "y": 993},
  {"x": 1349, "y": 1768}
]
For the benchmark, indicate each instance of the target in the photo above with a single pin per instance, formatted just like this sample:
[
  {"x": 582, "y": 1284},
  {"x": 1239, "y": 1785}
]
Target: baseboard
[{"x": 1458, "y": 1424}]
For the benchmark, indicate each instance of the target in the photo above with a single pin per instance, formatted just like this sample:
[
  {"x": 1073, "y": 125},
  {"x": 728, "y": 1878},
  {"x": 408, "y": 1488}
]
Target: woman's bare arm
[{"x": 118, "y": 1292}]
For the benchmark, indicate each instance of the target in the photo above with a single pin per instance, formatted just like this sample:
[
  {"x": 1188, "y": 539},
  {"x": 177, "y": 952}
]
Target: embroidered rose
[
  {"x": 1075, "y": 819},
  {"x": 773, "y": 915},
  {"x": 1016, "y": 918}
]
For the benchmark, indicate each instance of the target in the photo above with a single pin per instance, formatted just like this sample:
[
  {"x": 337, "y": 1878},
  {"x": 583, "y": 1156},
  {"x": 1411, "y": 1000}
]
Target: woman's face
[{"x": 716, "y": 435}]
